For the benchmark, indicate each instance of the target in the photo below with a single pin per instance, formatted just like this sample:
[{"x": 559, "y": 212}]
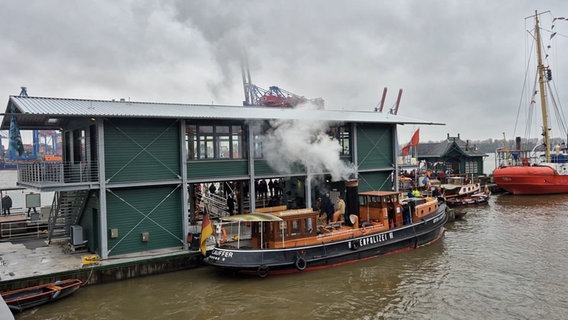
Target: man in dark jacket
[{"x": 6, "y": 204}]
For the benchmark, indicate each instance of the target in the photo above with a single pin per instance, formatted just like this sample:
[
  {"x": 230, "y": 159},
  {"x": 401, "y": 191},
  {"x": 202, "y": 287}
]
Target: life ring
[
  {"x": 224, "y": 232},
  {"x": 301, "y": 263},
  {"x": 262, "y": 271},
  {"x": 355, "y": 245}
]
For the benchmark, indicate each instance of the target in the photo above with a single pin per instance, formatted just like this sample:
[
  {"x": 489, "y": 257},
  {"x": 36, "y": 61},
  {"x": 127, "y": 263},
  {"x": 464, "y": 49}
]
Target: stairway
[{"x": 66, "y": 211}]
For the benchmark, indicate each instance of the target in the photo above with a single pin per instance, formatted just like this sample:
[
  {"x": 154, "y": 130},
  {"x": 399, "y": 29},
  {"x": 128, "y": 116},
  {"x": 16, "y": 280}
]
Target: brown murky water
[{"x": 506, "y": 260}]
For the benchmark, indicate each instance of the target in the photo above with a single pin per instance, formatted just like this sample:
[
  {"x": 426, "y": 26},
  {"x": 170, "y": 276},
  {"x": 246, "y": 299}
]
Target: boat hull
[
  {"x": 530, "y": 180},
  {"x": 286, "y": 260},
  {"x": 466, "y": 201},
  {"x": 26, "y": 298}
]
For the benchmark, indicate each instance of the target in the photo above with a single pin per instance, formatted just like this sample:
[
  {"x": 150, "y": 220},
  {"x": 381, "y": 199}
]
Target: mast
[{"x": 541, "y": 80}]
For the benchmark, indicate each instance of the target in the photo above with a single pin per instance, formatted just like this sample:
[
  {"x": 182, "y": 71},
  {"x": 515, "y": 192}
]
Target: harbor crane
[{"x": 274, "y": 96}]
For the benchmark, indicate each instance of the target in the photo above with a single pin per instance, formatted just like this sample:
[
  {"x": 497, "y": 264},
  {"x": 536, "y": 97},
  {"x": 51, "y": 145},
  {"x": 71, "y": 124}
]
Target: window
[
  {"x": 214, "y": 142},
  {"x": 343, "y": 135},
  {"x": 471, "y": 167}
]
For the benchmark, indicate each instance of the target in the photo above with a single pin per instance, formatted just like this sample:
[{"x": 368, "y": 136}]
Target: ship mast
[{"x": 541, "y": 80}]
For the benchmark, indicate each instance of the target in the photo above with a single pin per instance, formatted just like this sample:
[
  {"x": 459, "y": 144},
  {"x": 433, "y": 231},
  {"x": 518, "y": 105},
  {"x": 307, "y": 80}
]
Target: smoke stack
[{"x": 351, "y": 199}]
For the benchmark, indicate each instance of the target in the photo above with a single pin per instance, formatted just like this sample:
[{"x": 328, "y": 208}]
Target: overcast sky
[{"x": 458, "y": 62}]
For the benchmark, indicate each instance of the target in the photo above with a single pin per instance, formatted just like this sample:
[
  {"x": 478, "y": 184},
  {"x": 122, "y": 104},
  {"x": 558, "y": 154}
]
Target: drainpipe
[{"x": 102, "y": 189}]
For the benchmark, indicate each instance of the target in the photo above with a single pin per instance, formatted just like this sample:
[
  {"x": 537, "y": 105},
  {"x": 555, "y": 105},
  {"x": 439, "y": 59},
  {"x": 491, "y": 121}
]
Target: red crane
[{"x": 273, "y": 97}]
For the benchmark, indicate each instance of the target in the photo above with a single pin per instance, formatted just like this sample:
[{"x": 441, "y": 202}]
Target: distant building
[{"x": 452, "y": 155}]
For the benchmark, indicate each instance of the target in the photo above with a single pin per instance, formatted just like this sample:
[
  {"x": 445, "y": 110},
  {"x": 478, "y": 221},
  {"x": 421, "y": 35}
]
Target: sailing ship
[
  {"x": 287, "y": 241},
  {"x": 544, "y": 169}
]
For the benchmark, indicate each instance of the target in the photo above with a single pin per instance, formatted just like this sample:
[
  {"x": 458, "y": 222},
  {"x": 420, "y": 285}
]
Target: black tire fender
[
  {"x": 262, "y": 271},
  {"x": 301, "y": 263},
  {"x": 355, "y": 244}
]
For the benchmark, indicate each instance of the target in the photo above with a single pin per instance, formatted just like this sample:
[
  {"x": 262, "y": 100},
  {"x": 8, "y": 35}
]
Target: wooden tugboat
[
  {"x": 21, "y": 299},
  {"x": 288, "y": 241}
]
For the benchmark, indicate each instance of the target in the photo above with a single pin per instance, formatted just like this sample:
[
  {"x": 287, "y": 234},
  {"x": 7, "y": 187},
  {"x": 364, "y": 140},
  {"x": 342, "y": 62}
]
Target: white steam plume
[{"x": 306, "y": 142}]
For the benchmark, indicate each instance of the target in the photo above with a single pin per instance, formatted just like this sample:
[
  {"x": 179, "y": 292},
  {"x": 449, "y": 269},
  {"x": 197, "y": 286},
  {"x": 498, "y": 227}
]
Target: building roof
[
  {"x": 440, "y": 149},
  {"x": 50, "y": 113}
]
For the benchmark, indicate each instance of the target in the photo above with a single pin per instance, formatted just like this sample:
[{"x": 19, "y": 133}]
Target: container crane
[{"x": 273, "y": 97}]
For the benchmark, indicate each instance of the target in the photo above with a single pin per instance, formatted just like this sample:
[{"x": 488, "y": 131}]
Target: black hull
[{"x": 264, "y": 261}]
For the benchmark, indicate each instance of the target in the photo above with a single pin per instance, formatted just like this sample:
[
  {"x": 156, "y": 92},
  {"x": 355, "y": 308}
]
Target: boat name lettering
[
  {"x": 218, "y": 255},
  {"x": 373, "y": 239}
]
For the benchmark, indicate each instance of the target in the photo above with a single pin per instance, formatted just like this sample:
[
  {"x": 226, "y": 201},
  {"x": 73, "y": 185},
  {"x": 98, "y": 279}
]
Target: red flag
[
  {"x": 406, "y": 150},
  {"x": 415, "y": 138},
  {"x": 206, "y": 232}
]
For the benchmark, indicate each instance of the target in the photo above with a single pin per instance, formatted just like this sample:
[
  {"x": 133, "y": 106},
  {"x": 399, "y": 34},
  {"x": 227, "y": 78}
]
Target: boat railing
[
  {"x": 44, "y": 173},
  {"x": 513, "y": 157}
]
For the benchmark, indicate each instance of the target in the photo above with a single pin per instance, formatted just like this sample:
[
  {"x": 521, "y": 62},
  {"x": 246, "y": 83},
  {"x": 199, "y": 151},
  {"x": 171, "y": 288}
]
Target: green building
[
  {"x": 452, "y": 155},
  {"x": 134, "y": 176}
]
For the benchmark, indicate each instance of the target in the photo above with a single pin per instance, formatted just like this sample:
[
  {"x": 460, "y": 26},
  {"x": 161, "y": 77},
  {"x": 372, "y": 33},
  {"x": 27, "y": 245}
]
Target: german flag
[{"x": 206, "y": 232}]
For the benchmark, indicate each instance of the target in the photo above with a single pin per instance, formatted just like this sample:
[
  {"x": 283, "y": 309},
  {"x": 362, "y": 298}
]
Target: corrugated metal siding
[
  {"x": 263, "y": 168},
  {"x": 374, "y": 146},
  {"x": 369, "y": 181},
  {"x": 142, "y": 150},
  {"x": 131, "y": 222},
  {"x": 101, "y": 108},
  {"x": 217, "y": 169}
]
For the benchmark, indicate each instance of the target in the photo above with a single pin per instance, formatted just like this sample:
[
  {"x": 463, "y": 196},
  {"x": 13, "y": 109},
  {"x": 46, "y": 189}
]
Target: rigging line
[
  {"x": 558, "y": 105},
  {"x": 560, "y": 120},
  {"x": 523, "y": 91},
  {"x": 143, "y": 149},
  {"x": 146, "y": 216},
  {"x": 531, "y": 109}
]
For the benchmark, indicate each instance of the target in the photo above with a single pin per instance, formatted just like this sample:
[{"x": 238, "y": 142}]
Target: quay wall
[{"x": 105, "y": 273}]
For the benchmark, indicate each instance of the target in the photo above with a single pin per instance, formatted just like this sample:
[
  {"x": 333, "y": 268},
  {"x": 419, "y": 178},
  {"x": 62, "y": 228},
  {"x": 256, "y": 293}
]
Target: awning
[{"x": 255, "y": 217}]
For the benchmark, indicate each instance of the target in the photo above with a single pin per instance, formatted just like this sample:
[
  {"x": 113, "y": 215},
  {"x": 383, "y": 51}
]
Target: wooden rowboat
[{"x": 21, "y": 299}]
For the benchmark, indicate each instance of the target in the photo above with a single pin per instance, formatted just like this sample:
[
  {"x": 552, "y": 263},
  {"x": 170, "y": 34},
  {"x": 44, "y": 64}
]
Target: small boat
[
  {"x": 468, "y": 200},
  {"x": 542, "y": 169},
  {"x": 378, "y": 222},
  {"x": 21, "y": 299},
  {"x": 457, "y": 187}
]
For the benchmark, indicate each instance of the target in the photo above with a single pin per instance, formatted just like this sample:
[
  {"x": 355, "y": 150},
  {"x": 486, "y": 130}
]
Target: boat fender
[
  {"x": 301, "y": 263},
  {"x": 355, "y": 244},
  {"x": 55, "y": 294},
  {"x": 262, "y": 271}
]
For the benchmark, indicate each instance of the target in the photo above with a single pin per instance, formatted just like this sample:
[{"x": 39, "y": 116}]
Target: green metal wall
[
  {"x": 374, "y": 146},
  {"x": 156, "y": 210},
  {"x": 217, "y": 169},
  {"x": 263, "y": 168},
  {"x": 141, "y": 150},
  {"x": 369, "y": 181}
]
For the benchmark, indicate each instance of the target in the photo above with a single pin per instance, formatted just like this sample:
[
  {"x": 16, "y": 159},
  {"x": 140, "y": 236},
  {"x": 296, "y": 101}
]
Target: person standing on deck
[
  {"x": 6, "y": 204},
  {"x": 339, "y": 210},
  {"x": 231, "y": 204},
  {"x": 327, "y": 208}
]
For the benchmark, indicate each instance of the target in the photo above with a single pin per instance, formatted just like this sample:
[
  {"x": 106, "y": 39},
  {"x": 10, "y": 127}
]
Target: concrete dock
[{"x": 31, "y": 262}]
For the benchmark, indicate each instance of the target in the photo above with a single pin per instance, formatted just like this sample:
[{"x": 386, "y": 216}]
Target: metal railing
[
  {"x": 22, "y": 230},
  {"x": 56, "y": 172}
]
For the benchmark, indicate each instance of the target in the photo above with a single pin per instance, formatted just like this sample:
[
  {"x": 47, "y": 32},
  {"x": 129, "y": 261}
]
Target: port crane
[{"x": 274, "y": 96}]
